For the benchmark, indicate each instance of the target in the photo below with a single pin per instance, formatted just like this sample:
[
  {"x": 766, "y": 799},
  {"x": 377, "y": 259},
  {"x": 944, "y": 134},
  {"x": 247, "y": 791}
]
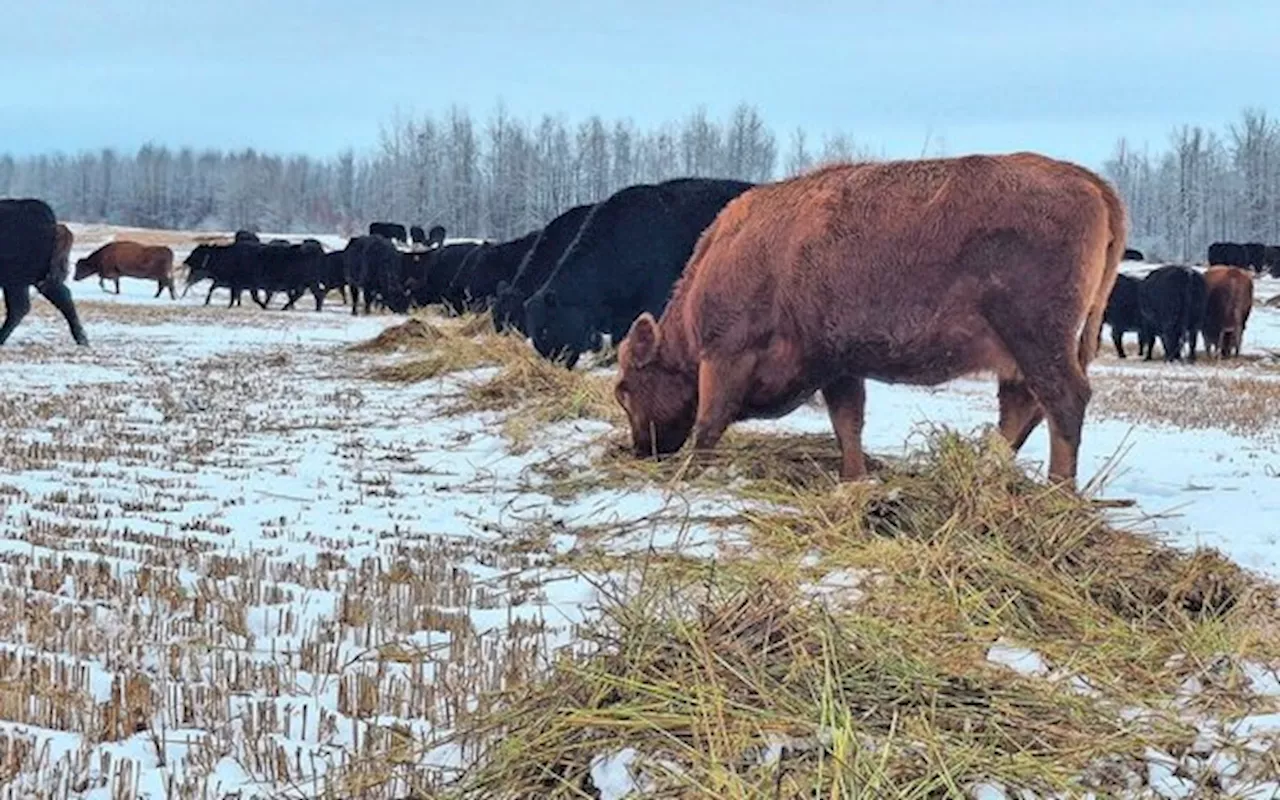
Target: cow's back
[{"x": 890, "y": 264}]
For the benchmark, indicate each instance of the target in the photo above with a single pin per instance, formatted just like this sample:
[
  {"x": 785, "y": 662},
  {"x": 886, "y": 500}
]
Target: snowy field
[{"x": 232, "y": 562}]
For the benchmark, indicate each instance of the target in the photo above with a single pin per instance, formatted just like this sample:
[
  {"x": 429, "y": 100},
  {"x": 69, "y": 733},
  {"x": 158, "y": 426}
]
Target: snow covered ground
[{"x": 211, "y": 522}]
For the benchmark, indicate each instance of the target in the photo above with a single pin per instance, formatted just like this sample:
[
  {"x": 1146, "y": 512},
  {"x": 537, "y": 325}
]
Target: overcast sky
[{"x": 1066, "y": 78}]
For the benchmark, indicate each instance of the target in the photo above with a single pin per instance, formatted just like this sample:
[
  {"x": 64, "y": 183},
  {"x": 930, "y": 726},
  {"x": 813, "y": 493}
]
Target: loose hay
[
  {"x": 733, "y": 681},
  {"x": 413, "y": 332}
]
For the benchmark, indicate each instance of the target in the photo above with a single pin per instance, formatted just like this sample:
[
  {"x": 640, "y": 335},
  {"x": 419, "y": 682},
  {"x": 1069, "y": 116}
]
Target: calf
[
  {"x": 536, "y": 268},
  {"x": 1172, "y": 299},
  {"x": 333, "y": 273},
  {"x": 623, "y": 262},
  {"x": 1229, "y": 300},
  {"x": 115, "y": 260},
  {"x": 1123, "y": 313},
  {"x": 913, "y": 272},
  {"x": 475, "y": 286},
  {"x": 31, "y": 254}
]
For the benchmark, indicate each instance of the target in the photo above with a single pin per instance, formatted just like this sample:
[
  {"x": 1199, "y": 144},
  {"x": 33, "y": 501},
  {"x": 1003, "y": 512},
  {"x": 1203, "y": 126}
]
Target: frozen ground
[{"x": 230, "y": 562}]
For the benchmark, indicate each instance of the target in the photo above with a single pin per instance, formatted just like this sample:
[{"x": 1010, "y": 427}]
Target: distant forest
[{"x": 503, "y": 176}]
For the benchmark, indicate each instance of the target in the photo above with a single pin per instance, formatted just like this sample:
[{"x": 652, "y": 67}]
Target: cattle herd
[{"x": 734, "y": 300}]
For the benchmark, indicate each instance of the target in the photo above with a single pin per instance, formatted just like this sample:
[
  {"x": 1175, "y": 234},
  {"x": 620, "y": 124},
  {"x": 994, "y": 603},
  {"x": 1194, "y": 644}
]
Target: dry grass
[
  {"x": 1197, "y": 399},
  {"x": 882, "y": 687}
]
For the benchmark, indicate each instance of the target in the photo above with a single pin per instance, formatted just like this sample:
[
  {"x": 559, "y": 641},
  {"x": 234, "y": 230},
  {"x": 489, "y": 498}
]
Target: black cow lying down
[{"x": 29, "y": 256}]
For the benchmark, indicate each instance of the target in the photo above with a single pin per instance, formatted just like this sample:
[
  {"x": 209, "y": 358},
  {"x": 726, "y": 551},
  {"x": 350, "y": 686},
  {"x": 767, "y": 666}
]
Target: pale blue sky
[{"x": 1067, "y": 78}]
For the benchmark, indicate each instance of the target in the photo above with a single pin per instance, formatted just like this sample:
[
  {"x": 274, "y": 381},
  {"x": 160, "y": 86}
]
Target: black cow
[
  {"x": 333, "y": 273},
  {"x": 1133, "y": 255},
  {"x": 1272, "y": 257},
  {"x": 29, "y": 257},
  {"x": 374, "y": 269},
  {"x": 1172, "y": 300},
  {"x": 536, "y": 268},
  {"x": 246, "y": 236},
  {"x": 417, "y": 235},
  {"x": 435, "y": 236},
  {"x": 1255, "y": 256},
  {"x": 290, "y": 268},
  {"x": 388, "y": 230},
  {"x": 1124, "y": 313},
  {"x": 428, "y": 273},
  {"x": 624, "y": 261},
  {"x": 1227, "y": 254},
  {"x": 475, "y": 286},
  {"x": 231, "y": 266}
]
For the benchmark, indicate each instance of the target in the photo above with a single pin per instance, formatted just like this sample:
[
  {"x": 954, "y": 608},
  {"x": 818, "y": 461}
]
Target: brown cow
[
  {"x": 1230, "y": 291},
  {"x": 130, "y": 260},
  {"x": 914, "y": 272}
]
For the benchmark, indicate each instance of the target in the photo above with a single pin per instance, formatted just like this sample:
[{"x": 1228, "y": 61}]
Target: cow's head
[
  {"x": 660, "y": 400},
  {"x": 197, "y": 264},
  {"x": 84, "y": 268},
  {"x": 559, "y": 330}
]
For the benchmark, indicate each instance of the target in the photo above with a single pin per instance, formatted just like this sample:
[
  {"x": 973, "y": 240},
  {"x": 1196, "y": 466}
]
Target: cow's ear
[
  {"x": 549, "y": 298},
  {"x": 643, "y": 337}
]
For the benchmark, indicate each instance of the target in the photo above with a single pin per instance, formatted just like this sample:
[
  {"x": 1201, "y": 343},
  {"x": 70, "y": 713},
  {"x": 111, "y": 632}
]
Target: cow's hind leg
[
  {"x": 60, "y": 296},
  {"x": 159, "y": 288},
  {"x": 17, "y": 302},
  {"x": 1046, "y": 353},
  {"x": 722, "y": 385},
  {"x": 846, "y": 405}
]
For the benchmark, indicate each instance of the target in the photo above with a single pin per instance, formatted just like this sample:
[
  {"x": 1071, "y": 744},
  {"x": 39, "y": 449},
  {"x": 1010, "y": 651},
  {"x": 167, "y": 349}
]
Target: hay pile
[
  {"x": 846, "y": 652},
  {"x": 743, "y": 680}
]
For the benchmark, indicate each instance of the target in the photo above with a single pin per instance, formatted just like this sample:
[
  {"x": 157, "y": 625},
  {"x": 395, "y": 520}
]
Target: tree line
[
  {"x": 496, "y": 179},
  {"x": 503, "y": 176}
]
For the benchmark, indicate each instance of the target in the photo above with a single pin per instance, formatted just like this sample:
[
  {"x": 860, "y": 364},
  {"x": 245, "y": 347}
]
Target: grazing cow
[
  {"x": 1227, "y": 254},
  {"x": 428, "y": 274},
  {"x": 1133, "y": 255},
  {"x": 536, "y": 268},
  {"x": 912, "y": 272},
  {"x": 247, "y": 236},
  {"x": 373, "y": 268},
  {"x": 1172, "y": 299},
  {"x": 417, "y": 235},
  {"x": 1272, "y": 257},
  {"x": 115, "y": 260},
  {"x": 388, "y": 230},
  {"x": 624, "y": 261},
  {"x": 30, "y": 249},
  {"x": 1123, "y": 313},
  {"x": 231, "y": 266},
  {"x": 476, "y": 284},
  {"x": 1230, "y": 299},
  {"x": 1255, "y": 256}
]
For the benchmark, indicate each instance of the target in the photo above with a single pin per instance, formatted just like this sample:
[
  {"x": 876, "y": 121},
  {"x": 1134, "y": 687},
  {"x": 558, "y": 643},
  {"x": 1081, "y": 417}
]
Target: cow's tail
[{"x": 1096, "y": 306}]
